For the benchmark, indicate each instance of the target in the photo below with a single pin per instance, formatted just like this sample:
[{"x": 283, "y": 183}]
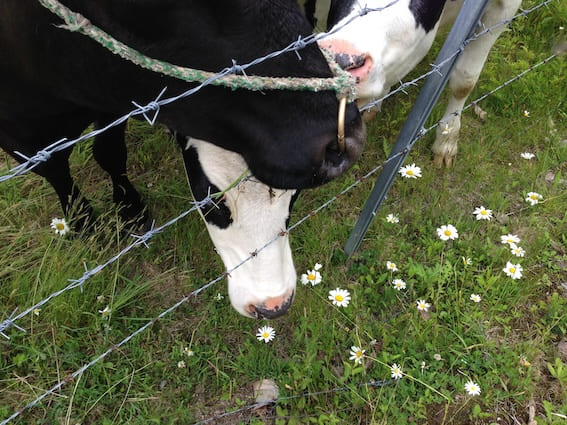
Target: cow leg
[
  {"x": 464, "y": 78},
  {"x": 109, "y": 150},
  {"x": 56, "y": 171}
]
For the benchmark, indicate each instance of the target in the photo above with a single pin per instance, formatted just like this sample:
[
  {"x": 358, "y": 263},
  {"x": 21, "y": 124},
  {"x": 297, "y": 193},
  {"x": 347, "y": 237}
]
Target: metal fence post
[{"x": 464, "y": 25}]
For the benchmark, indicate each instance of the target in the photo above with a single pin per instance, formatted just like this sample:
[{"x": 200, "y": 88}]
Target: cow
[
  {"x": 381, "y": 47},
  {"x": 56, "y": 83},
  {"x": 247, "y": 223}
]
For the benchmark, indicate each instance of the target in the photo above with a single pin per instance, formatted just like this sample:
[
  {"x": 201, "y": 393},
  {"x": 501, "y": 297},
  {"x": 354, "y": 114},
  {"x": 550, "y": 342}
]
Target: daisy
[
  {"x": 399, "y": 284},
  {"x": 189, "y": 352},
  {"x": 471, "y": 388},
  {"x": 312, "y": 276},
  {"x": 391, "y": 218},
  {"x": 36, "y": 311},
  {"x": 422, "y": 305},
  {"x": 410, "y": 171},
  {"x": 446, "y": 130},
  {"x": 396, "y": 371},
  {"x": 526, "y": 113},
  {"x": 391, "y": 266},
  {"x": 527, "y": 155},
  {"x": 518, "y": 251},
  {"x": 533, "y": 198},
  {"x": 509, "y": 239},
  {"x": 466, "y": 261},
  {"x": 317, "y": 266},
  {"x": 356, "y": 354},
  {"x": 60, "y": 226},
  {"x": 513, "y": 270},
  {"x": 266, "y": 334},
  {"x": 181, "y": 364},
  {"x": 219, "y": 296},
  {"x": 482, "y": 213},
  {"x": 339, "y": 297},
  {"x": 105, "y": 313},
  {"x": 476, "y": 298},
  {"x": 447, "y": 232}
]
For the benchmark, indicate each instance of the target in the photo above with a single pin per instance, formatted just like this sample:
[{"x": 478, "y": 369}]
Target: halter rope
[{"x": 342, "y": 82}]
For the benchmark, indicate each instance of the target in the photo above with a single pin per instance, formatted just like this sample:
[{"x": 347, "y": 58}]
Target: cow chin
[{"x": 263, "y": 286}]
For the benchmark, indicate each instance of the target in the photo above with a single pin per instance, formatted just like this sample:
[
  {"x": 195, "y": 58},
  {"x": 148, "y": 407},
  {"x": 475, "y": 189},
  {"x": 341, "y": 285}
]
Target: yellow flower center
[
  {"x": 358, "y": 353},
  {"x": 339, "y": 297},
  {"x": 409, "y": 172},
  {"x": 483, "y": 212},
  {"x": 310, "y": 276},
  {"x": 534, "y": 197},
  {"x": 447, "y": 232},
  {"x": 512, "y": 269},
  {"x": 60, "y": 226},
  {"x": 265, "y": 335}
]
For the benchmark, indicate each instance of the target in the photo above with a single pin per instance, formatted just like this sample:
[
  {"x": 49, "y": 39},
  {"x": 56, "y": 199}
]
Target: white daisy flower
[
  {"x": 396, "y": 371},
  {"x": 527, "y": 155},
  {"x": 106, "y": 312},
  {"x": 339, "y": 297},
  {"x": 36, "y": 311},
  {"x": 446, "y": 129},
  {"x": 410, "y": 171},
  {"x": 181, "y": 364},
  {"x": 60, "y": 226},
  {"x": 391, "y": 266},
  {"x": 422, "y": 305},
  {"x": 513, "y": 270},
  {"x": 476, "y": 298},
  {"x": 356, "y": 354},
  {"x": 266, "y": 334},
  {"x": 518, "y": 251},
  {"x": 471, "y": 388},
  {"x": 399, "y": 284},
  {"x": 533, "y": 198},
  {"x": 447, "y": 232},
  {"x": 509, "y": 239},
  {"x": 317, "y": 267},
  {"x": 312, "y": 276},
  {"x": 526, "y": 113},
  {"x": 219, "y": 296},
  {"x": 189, "y": 352},
  {"x": 466, "y": 261},
  {"x": 482, "y": 213},
  {"x": 391, "y": 218}
]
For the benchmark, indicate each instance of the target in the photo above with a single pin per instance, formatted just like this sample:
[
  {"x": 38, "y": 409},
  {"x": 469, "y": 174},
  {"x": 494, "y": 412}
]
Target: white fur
[
  {"x": 259, "y": 215},
  {"x": 396, "y": 46}
]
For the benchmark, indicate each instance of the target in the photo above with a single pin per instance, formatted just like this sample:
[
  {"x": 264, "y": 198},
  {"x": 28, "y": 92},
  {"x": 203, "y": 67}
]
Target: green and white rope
[{"x": 342, "y": 82}]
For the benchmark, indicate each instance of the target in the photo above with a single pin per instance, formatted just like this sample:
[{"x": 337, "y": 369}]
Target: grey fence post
[{"x": 463, "y": 28}]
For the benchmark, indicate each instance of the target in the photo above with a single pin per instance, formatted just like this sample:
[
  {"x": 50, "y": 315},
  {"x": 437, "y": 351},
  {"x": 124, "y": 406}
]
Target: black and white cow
[
  {"x": 383, "y": 46},
  {"x": 55, "y": 83}
]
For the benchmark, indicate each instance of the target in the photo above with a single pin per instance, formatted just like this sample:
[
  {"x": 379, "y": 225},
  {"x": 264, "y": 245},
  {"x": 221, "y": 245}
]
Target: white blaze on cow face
[
  {"x": 391, "y": 39},
  {"x": 262, "y": 287}
]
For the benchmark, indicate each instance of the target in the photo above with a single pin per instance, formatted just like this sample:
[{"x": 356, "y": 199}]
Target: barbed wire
[
  {"x": 312, "y": 213},
  {"x": 372, "y": 383},
  {"x": 154, "y": 106}
]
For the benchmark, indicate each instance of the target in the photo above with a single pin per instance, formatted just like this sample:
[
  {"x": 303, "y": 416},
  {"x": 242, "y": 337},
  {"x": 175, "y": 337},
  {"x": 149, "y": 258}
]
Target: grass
[{"x": 512, "y": 343}]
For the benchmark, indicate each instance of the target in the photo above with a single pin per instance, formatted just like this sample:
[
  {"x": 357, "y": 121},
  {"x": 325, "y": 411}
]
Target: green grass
[{"x": 512, "y": 343}]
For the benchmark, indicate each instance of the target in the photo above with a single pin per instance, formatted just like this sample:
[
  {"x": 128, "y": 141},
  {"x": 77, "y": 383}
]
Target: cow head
[
  {"x": 287, "y": 138},
  {"x": 382, "y": 46},
  {"x": 247, "y": 217}
]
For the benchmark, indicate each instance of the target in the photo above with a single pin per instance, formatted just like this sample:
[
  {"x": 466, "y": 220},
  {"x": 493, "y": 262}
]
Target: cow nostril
[{"x": 349, "y": 61}]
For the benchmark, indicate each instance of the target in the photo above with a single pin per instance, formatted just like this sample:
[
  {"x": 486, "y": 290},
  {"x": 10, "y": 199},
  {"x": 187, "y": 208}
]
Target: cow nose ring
[{"x": 341, "y": 124}]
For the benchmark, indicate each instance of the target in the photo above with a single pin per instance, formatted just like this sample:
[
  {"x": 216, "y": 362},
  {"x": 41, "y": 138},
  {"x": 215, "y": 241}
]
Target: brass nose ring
[{"x": 341, "y": 125}]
